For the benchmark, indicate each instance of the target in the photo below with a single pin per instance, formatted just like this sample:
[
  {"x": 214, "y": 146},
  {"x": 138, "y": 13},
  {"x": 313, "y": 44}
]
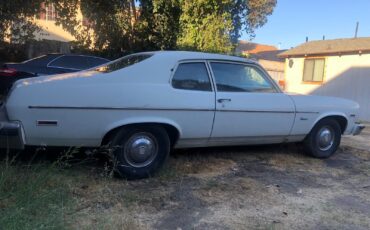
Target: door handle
[{"x": 223, "y": 100}]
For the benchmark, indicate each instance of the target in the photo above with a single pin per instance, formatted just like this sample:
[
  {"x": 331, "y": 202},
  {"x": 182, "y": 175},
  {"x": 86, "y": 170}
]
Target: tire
[
  {"x": 324, "y": 139},
  {"x": 140, "y": 151}
]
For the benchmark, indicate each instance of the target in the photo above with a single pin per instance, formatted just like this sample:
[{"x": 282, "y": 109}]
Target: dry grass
[
  {"x": 34, "y": 195},
  {"x": 269, "y": 187}
]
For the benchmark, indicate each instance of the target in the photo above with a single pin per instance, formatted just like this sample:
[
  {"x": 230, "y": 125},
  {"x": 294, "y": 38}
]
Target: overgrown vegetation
[
  {"x": 33, "y": 196},
  {"x": 123, "y": 26}
]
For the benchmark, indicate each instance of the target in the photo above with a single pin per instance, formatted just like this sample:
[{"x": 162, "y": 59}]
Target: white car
[{"x": 144, "y": 104}]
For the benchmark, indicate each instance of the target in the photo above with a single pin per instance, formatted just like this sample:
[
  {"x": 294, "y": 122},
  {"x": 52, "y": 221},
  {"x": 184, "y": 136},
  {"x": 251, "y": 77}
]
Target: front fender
[
  {"x": 330, "y": 114},
  {"x": 304, "y": 122}
]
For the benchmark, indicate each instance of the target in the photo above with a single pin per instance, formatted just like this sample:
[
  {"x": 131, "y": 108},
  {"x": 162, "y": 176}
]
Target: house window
[
  {"x": 314, "y": 70},
  {"x": 51, "y": 14}
]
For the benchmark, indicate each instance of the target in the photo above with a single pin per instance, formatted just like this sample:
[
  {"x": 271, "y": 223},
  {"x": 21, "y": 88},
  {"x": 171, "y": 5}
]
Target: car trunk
[{"x": 10, "y": 73}]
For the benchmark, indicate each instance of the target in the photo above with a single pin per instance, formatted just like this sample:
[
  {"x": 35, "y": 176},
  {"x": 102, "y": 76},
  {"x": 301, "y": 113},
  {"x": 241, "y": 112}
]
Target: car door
[
  {"x": 192, "y": 91},
  {"x": 249, "y": 106}
]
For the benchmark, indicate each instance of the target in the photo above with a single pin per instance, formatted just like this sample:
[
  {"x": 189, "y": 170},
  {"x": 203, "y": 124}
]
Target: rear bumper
[
  {"x": 5, "y": 84},
  {"x": 11, "y": 136},
  {"x": 11, "y": 133},
  {"x": 357, "y": 129}
]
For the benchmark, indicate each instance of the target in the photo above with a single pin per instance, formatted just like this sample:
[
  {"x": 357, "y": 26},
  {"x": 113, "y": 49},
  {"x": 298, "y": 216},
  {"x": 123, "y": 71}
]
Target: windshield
[{"x": 123, "y": 62}]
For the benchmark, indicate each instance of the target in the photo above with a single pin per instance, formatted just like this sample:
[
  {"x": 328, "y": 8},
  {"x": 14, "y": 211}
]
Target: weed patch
[{"x": 32, "y": 196}]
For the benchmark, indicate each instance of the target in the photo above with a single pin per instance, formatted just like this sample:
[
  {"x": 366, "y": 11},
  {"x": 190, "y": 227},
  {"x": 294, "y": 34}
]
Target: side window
[
  {"x": 71, "y": 62},
  {"x": 192, "y": 76},
  {"x": 240, "y": 78}
]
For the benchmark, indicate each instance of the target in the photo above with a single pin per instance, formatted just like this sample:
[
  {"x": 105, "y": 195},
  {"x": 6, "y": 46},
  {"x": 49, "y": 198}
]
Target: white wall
[
  {"x": 346, "y": 76},
  {"x": 51, "y": 31}
]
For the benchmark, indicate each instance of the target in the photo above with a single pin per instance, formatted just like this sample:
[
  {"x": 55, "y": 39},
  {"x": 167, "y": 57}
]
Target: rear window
[
  {"x": 41, "y": 60},
  {"x": 77, "y": 62},
  {"x": 123, "y": 62}
]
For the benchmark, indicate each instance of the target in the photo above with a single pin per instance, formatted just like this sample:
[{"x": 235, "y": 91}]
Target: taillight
[
  {"x": 282, "y": 84},
  {"x": 8, "y": 72}
]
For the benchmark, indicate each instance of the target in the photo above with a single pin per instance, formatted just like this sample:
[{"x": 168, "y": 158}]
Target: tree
[
  {"x": 206, "y": 26},
  {"x": 249, "y": 15},
  {"x": 216, "y": 25},
  {"x": 125, "y": 26},
  {"x": 125, "y": 29},
  {"x": 16, "y": 24},
  {"x": 158, "y": 24}
]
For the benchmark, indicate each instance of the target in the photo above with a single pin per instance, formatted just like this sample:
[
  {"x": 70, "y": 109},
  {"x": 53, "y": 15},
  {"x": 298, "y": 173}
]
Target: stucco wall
[
  {"x": 51, "y": 31},
  {"x": 346, "y": 76}
]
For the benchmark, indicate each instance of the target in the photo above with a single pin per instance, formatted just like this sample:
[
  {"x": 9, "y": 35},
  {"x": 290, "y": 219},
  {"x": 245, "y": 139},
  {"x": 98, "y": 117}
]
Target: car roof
[
  {"x": 45, "y": 59},
  {"x": 190, "y": 55},
  {"x": 42, "y": 60}
]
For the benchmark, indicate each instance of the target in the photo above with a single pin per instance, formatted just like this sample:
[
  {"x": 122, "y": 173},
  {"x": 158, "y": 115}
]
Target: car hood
[{"x": 320, "y": 104}]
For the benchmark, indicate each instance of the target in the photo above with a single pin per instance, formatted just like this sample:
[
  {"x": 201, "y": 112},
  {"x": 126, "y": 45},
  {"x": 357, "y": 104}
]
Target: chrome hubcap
[
  {"x": 140, "y": 149},
  {"x": 325, "y": 138}
]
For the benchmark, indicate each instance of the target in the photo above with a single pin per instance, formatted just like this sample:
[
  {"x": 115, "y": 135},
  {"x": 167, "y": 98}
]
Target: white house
[{"x": 339, "y": 68}]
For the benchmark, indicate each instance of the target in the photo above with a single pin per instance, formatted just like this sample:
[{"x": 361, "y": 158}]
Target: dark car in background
[{"x": 46, "y": 65}]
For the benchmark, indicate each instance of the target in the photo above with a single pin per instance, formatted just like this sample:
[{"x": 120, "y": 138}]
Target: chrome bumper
[
  {"x": 357, "y": 129},
  {"x": 11, "y": 135}
]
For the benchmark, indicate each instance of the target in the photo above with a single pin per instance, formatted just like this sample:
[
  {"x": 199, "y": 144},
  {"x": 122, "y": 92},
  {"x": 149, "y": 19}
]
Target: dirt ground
[{"x": 264, "y": 187}]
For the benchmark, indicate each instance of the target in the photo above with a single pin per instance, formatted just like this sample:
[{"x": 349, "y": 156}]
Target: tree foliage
[
  {"x": 206, "y": 25},
  {"x": 158, "y": 25},
  {"x": 124, "y": 26},
  {"x": 216, "y": 25},
  {"x": 16, "y": 19}
]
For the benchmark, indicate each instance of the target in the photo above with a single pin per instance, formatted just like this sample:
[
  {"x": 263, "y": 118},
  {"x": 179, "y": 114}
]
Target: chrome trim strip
[
  {"x": 253, "y": 111},
  {"x": 114, "y": 108},
  {"x": 307, "y": 112},
  {"x": 161, "y": 109}
]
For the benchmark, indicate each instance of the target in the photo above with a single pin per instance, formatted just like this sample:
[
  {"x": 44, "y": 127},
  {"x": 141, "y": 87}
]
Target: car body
[
  {"x": 150, "y": 102},
  {"x": 46, "y": 65}
]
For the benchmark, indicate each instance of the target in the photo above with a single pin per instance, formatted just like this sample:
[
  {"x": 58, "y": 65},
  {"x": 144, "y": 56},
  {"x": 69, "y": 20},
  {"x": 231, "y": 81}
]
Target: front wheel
[
  {"x": 140, "y": 151},
  {"x": 324, "y": 139}
]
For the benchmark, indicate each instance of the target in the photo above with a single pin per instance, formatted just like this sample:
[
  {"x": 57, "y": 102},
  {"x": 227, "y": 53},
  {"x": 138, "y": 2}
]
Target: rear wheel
[
  {"x": 324, "y": 139},
  {"x": 140, "y": 151}
]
